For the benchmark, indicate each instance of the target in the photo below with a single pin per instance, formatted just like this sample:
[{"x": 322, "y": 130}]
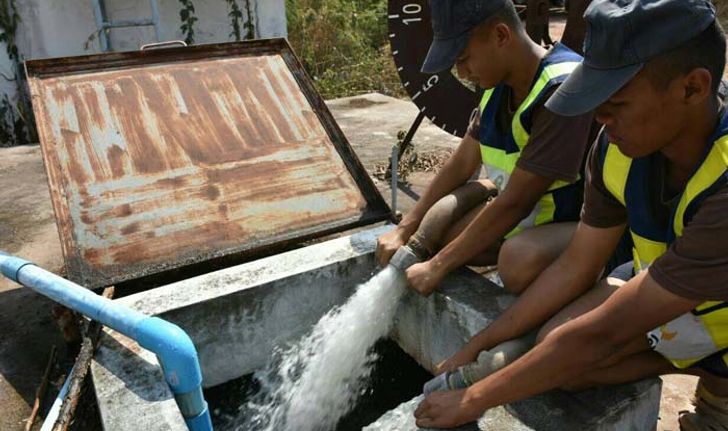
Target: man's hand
[
  {"x": 424, "y": 277},
  {"x": 446, "y": 409},
  {"x": 389, "y": 243},
  {"x": 464, "y": 356}
]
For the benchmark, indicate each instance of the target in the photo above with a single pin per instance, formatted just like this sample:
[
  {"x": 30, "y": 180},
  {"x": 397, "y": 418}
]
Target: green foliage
[
  {"x": 9, "y": 20},
  {"x": 17, "y": 125},
  {"x": 343, "y": 45},
  {"x": 187, "y": 15},
  {"x": 249, "y": 27},
  {"x": 235, "y": 15}
]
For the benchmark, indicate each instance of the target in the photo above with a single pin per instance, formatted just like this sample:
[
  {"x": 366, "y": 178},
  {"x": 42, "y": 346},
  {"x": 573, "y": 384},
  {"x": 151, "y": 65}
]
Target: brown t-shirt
[
  {"x": 695, "y": 265},
  {"x": 556, "y": 146}
]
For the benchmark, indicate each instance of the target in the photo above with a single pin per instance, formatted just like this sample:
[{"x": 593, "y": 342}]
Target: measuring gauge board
[{"x": 442, "y": 98}]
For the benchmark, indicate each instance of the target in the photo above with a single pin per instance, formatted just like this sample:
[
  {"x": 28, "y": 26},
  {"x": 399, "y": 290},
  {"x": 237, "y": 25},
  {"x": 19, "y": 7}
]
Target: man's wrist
[
  {"x": 440, "y": 265},
  {"x": 407, "y": 227},
  {"x": 474, "y": 403}
]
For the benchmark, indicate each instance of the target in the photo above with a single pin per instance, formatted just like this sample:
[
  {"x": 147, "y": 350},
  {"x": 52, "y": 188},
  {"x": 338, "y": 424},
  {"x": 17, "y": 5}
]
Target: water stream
[{"x": 314, "y": 383}]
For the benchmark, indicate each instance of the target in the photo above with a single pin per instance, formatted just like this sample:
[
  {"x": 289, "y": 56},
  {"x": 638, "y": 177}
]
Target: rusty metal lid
[{"x": 160, "y": 159}]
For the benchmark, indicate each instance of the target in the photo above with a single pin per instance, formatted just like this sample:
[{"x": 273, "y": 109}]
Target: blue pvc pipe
[{"x": 173, "y": 347}]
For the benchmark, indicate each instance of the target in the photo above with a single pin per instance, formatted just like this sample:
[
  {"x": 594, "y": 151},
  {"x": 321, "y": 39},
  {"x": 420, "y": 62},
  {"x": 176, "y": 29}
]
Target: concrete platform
[{"x": 237, "y": 316}]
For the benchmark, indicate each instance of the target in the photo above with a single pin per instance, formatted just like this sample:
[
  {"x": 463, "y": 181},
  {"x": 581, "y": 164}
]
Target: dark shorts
[
  {"x": 715, "y": 363},
  {"x": 623, "y": 272}
]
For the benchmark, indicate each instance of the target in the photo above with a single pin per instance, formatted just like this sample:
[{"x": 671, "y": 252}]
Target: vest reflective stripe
[
  {"x": 500, "y": 163},
  {"x": 713, "y": 167},
  {"x": 645, "y": 251},
  {"x": 693, "y": 336},
  {"x": 549, "y": 73},
  {"x": 484, "y": 100},
  {"x": 619, "y": 168}
]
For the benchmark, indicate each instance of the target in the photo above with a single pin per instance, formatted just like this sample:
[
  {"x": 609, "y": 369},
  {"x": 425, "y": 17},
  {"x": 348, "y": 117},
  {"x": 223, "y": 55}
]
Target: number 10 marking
[{"x": 411, "y": 9}]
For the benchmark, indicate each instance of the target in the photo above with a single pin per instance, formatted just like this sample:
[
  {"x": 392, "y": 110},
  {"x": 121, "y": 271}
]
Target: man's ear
[
  {"x": 502, "y": 33},
  {"x": 696, "y": 86}
]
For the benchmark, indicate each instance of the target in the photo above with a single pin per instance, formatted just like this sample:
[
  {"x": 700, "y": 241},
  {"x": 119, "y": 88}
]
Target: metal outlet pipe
[
  {"x": 446, "y": 212},
  {"x": 428, "y": 238},
  {"x": 173, "y": 347}
]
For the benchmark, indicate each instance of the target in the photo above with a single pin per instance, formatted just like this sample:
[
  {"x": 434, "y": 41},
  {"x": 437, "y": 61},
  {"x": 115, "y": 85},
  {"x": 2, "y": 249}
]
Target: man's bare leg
[
  {"x": 629, "y": 368},
  {"x": 637, "y": 361},
  {"x": 582, "y": 305},
  {"x": 633, "y": 362},
  {"x": 523, "y": 257},
  {"x": 711, "y": 399},
  {"x": 487, "y": 257}
]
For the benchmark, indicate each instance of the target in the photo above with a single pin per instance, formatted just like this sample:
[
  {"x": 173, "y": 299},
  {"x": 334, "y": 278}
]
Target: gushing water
[{"x": 317, "y": 381}]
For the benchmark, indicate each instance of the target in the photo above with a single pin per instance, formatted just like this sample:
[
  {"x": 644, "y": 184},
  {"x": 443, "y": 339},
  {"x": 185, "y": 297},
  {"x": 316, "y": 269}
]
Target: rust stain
[
  {"x": 76, "y": 171},
  {"x": 130, "y": 229},
  {"x": 207, "y": 151},
  {"x": 141, "y": 145},
  {"x": 173, "y": 182},
  {"x": 92, "y": 254},
  {"x": 123, "y": 211},
  {"x": 116, "y": 161},
  {"x": 212, "y": 192}
]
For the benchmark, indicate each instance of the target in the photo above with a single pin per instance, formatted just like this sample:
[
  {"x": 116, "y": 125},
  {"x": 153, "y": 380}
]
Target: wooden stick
[
  {"x": 78, "y": 375},
  {"x": 40, "y": 393}
]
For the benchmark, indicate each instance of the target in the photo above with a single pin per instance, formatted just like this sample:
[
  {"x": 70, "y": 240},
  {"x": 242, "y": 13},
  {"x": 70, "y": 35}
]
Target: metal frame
[
  {"x": 80, "y": 271},
  {"x": 103, "y": 23}
]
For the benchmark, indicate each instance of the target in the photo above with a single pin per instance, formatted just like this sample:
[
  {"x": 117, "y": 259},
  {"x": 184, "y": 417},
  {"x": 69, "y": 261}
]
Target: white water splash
[
  {"x": 401, "y": 418},
  {"x": 317, "y": 381}
]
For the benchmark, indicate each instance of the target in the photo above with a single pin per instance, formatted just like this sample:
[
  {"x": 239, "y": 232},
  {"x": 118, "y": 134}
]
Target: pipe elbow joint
[{"x": 176, "y": 353}]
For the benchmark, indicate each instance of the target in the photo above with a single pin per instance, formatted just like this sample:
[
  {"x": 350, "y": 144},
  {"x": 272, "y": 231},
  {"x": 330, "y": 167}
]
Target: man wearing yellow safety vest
[
  {"x": 532, "y": 156},
  {"x": 659, "y": 168}
]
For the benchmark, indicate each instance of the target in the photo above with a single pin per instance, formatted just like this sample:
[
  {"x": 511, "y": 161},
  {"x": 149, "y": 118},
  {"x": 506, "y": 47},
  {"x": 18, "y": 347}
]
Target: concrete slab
[
  {"x": 238, "y": 315},
  {"x": 371, "y": 123}
]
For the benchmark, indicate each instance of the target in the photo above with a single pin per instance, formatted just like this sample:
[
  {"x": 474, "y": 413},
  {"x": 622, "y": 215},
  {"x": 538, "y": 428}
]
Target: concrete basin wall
[
  {"x": 236, "y": 316},
  {"x": 431, "y": 329}
]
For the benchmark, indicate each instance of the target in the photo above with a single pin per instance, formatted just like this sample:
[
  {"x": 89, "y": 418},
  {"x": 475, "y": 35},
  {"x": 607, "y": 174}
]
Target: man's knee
[
  {"x": 550, "y": 326},
  {"x": 519, "y": 263},
  {"x": 542, "y": 333}
]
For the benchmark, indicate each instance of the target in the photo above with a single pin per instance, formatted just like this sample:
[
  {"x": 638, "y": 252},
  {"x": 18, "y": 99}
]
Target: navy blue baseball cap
[
  {"x": 621, "y": 36},
  {"x": 452, "y": 22}
]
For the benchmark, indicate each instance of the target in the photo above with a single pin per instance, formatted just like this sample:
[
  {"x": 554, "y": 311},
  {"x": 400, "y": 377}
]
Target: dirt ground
[{"x": 27, "y": 228}]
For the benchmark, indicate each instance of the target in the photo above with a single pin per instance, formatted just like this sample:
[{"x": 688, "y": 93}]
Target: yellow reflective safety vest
[
  {"x": 704, "y": 331},
  {"x": 500, "y": 149}
]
